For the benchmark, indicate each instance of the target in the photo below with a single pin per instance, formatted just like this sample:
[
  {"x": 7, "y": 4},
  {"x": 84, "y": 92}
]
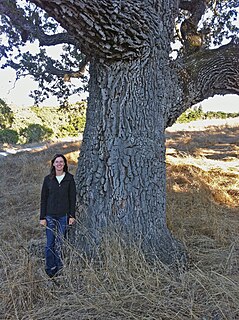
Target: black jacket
[{"x": 57, "y": 199}]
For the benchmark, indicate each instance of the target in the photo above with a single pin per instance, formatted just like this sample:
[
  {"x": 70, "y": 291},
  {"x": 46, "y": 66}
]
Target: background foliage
[
  {"x": 197, "y": 113},
  {"x": 35, "y": 124},
  {"x": 6, "y": 115}
]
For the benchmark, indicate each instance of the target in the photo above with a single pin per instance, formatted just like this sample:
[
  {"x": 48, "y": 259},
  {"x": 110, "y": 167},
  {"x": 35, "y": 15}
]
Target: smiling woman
[{"x": 58, "y": 199}]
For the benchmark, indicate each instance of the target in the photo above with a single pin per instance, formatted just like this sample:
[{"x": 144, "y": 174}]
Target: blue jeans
[{"x": 55, "y": 233}]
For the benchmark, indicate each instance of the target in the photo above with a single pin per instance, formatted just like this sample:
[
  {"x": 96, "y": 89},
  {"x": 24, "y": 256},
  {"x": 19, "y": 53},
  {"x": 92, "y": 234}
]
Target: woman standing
[{"x": 58, "y": 200}]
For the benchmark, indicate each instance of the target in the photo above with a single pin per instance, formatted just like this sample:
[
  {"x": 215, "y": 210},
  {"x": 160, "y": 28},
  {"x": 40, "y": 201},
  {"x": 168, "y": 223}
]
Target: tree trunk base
[{"x": 165, "y": 250}]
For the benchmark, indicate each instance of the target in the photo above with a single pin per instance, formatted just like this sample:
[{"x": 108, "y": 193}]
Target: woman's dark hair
[{"x": 53, "y": 170}]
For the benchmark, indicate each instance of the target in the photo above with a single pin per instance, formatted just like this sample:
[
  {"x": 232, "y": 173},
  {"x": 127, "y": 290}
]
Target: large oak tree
[{"x": 136, "y": 89}]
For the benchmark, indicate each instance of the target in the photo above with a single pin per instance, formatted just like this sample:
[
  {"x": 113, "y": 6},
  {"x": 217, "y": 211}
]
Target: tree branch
[
  {"x": 109, "y": 29},
  {"x": 205, "y": 74},
  {"x": 190, "y": 37},
  {"x": 27, "y": 27},
  {"x": 196, "y": 8},
  {"x": 214, "y": 72},
  {"x": 67, "y": 74},
  {"x": 49, "y": 68},
  {"x": 79, "y": 73}
]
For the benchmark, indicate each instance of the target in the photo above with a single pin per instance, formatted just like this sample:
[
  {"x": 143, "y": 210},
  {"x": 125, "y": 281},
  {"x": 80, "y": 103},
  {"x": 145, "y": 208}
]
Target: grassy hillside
[
  {"x": 23, "y": 125},
  {"x": 202, "y": 211},
  {"x": 36, "y": 124}
]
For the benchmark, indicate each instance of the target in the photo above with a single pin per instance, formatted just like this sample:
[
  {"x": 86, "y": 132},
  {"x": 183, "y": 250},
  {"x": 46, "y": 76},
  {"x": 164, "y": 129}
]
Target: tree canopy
[{"x": 199, "y": 25}]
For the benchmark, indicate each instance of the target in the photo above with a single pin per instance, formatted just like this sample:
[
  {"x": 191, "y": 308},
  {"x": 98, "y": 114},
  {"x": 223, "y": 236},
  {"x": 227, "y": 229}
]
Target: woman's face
[{"x": 59, "y": 164}]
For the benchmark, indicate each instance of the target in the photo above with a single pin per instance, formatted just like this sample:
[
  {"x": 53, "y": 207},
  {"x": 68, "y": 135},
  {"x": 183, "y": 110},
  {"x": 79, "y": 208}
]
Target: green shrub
[
  {"x": 67, "y": 130},
  {"x": 196, "y": 113},
  {"x": 6, "y": 115},
  {"x": 191, "y": 114},
  {"x": 77, "y": 117},
  {"x": 36, "y": 133},
  {"x": 8, "y": 136},
  {"x": 73, "y": 128},
  {"x": 64, "y": 121},
  {"x": 78, "y": 122}
]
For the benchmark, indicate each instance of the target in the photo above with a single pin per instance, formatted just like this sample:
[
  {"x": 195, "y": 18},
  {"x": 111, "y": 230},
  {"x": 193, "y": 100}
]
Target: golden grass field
[{"x": 202, "y": 211}]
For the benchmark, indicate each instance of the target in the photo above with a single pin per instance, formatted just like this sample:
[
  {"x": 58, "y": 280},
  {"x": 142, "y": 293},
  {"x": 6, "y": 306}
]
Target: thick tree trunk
[
  {"x": 121, "y": 174},
  {"x": 135, "y": 92}
]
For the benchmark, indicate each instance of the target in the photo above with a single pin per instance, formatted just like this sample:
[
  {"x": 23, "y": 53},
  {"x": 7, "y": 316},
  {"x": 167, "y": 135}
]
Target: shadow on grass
[
  {"x": 213, "y": 143},
  {"x": 124, "y": 287}
]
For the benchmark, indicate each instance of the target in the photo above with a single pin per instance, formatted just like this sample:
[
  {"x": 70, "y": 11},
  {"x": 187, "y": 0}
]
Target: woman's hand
[
  {"x": 43, "y": 222},
  {"x": 71, "y": 221}
]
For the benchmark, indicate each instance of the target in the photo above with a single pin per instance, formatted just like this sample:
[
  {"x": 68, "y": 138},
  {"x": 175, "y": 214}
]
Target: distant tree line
[
  {"x": 52, "y": 122},
  {"x": 197, "y": 113}
]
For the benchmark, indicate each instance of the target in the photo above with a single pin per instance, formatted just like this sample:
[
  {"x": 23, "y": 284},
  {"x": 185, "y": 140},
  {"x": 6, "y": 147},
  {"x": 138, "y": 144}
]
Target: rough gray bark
[
  {"x": 135, "y": 92},
  {"x": 18, "y": 19},
  {"x": 121, "y": 175},
  {"x": 203, "y": 75}
]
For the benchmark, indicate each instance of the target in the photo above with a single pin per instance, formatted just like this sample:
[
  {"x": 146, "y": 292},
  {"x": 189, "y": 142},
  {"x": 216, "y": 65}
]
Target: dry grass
[{"x": 202, "y": 211}]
